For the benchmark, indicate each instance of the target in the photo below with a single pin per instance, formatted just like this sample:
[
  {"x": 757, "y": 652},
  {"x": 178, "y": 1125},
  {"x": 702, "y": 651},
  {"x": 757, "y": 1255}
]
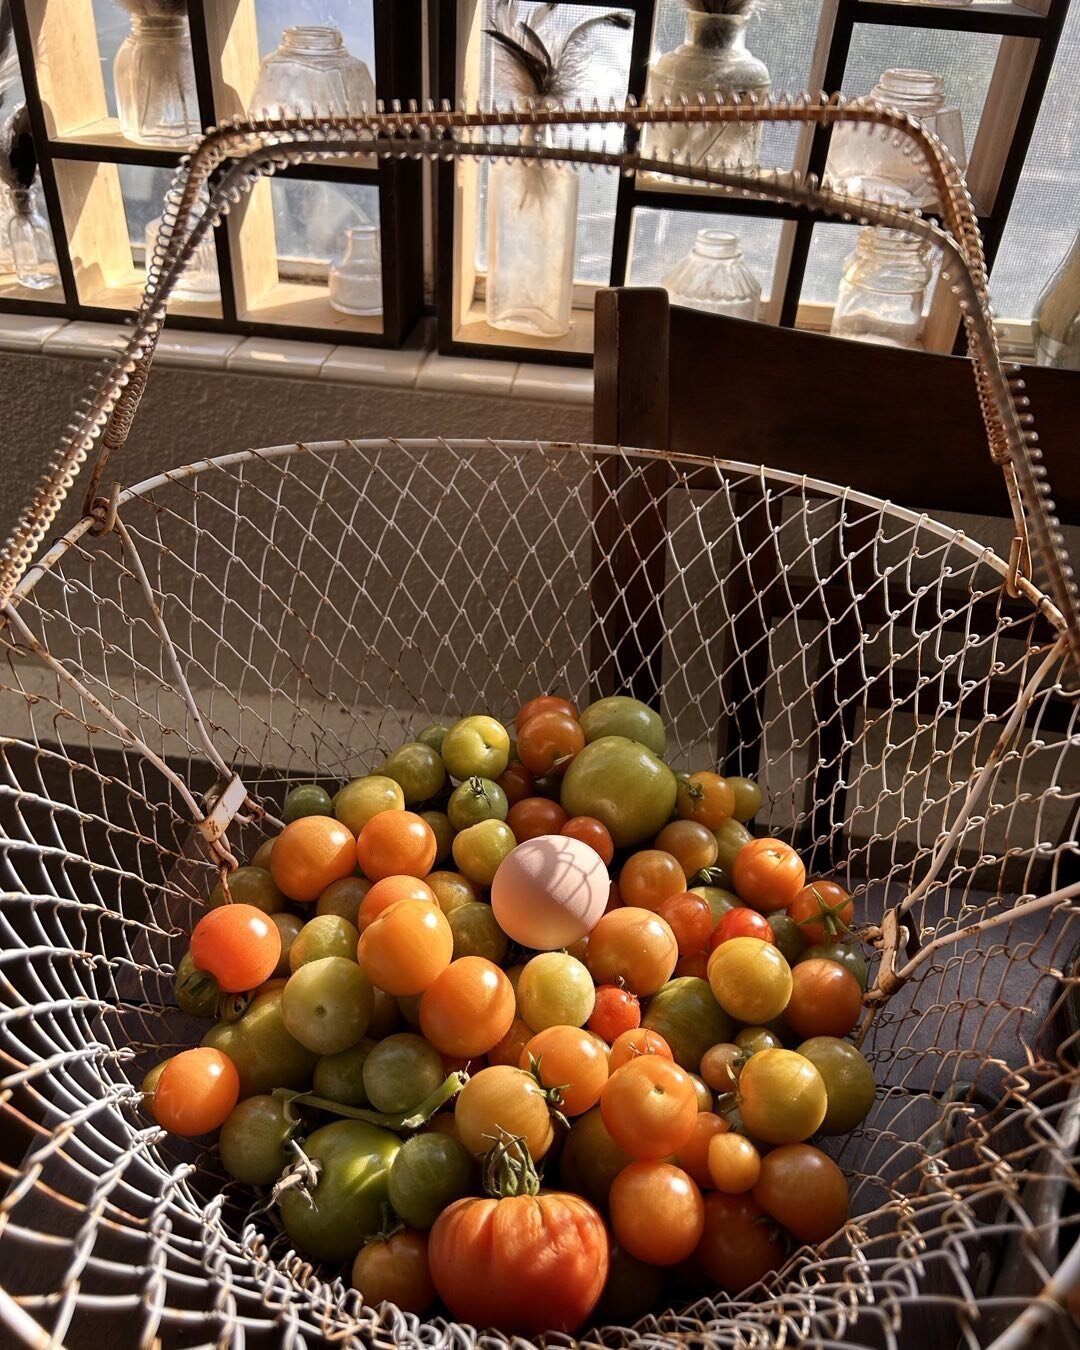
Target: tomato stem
[
  {"x": 411, "y": 1120},
  {"x": 509, "y": 1169}
]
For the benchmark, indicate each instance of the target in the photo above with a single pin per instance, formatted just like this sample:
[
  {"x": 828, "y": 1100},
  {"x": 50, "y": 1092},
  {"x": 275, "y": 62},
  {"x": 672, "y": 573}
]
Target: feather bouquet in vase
[
  {"x": 154, "y": 75},
  {"x": 532, "y": 207},
  {"x": 715, "y": 63}
]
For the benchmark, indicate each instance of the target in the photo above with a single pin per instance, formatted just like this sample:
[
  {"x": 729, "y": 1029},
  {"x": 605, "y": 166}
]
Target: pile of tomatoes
[{"x": 531, "y": 1136}]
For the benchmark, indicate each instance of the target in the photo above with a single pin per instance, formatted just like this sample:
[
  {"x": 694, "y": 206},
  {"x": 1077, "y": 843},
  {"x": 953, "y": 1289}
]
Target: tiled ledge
[{"x": 416, "y": 366}]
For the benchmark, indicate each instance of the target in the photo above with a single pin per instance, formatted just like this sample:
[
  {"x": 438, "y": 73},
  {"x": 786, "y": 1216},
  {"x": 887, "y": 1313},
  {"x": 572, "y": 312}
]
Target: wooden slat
[
  {"x": 96, "y": 226},
  {"x": 70, "y": 78}
]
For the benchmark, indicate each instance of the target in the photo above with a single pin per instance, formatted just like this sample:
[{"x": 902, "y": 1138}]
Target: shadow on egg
[{"x": 549, "y": 892}]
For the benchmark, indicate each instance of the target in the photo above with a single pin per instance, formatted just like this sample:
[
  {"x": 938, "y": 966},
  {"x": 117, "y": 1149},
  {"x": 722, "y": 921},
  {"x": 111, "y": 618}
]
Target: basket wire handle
[{"x": 259, "y": 148}]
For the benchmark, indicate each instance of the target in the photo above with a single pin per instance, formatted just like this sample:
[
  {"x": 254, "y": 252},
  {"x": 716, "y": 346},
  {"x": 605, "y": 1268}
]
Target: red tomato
[
  {"x": 615, "y": 1011},
  {"x": 826, "y": 999},
  {"x": 544, "y": 703},
  {"x": 525, "y": 1264},
  {"x": 516, "y": 781},
  {"x": 649, "y": 877},
  {"x": 824, "y": 911},
  {"x": 696, "y": 965},
  {"x": 768, "y": 874},
  {"x": 738, "y": 1246},
  {"x": 592, "y": 832},
  {"x": 804, "y": 1190},
  {"x": 741, "y": 923},
  {"x": 639, "y": 1040},
  {"x": 534, "y": 816},
  {"x": 548, "y": 741},
  {"x": 238, "y": 944},
  {"x": 689, "y": 918},
  {"x": 614, "y": 899}
]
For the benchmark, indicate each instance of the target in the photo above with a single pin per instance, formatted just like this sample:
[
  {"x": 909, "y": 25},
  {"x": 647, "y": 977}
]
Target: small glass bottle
[
  {"x": 865, "y": 162},
  {"x": 199, "y": 280},
  {"x": 356, "y": 277},
  {"x": 154, "y": 76},
  {"x": 312, "y": 72},
  {"x": 31, "y": 242},
  {"x": 713, "y": 277},
  {"x": 1055, "y": 326},
  {"x": 883, "y": 291},
  {"x": 532, "y": 227},
  {"x": 7, "y": 260}
]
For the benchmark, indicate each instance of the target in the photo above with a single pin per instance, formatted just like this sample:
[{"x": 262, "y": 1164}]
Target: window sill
[{"x": 415, "y": 366}]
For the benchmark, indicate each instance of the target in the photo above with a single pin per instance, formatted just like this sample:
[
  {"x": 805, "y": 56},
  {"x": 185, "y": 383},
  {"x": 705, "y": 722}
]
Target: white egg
[{"x": 550, "y": 891}]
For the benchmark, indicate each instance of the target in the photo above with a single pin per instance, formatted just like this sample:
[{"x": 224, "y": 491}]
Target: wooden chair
[{"x": 900, "y": 425}]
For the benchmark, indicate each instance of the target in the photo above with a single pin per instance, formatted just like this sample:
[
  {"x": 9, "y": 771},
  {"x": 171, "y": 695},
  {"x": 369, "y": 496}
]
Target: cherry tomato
[
  {"x": 614, "y": 1011},
  {"x": 731, "y": 839},
  {"x": 634, "y": 948},
  {"x": 768, "y": 874},
  {"x": 738, "y": 1246},
  {"x": 395, "y": 1270},
  {"x": 250, "y": 886},
  {"x": 548, "y": 741},
  {"x": 391, "y": 891},
  {"x": 344, "y": 898},
  {"x": 720, "y": 1066},
  {"x": 468, "y": 1009},
  {"x": 804, "y": 1190},
  {"x": 309, "y": 854},
  {"x": 695, "y": 966},
  {"x": 750, "y": 1040},
  {"x": 750, "y": 979},
  {"x": 238, "y": 944},
  {"x": 535, "y": 816},
  {"x": 480, "y": 849},
  {"x": 685, "y": 1012},
  {"x": 747, "y": 798},
  {"x": 253, "y": 1143},
  {"x": 693, "y": 1155},
  {"x": 417, "y": 769},
  {"x": 633, "y": 1288},
  {"x": 786, "y": 935},
  {"x": 430, "y": 1171},
  {"x": 649, "y": 1107},
  {"x": 396, "y": 843},
  {"x": 614, "y": 899},
  {"x": 570, "y": 1059},
  {"x": 845, "y": 954},
  {"x": 657, "y": 1213},
  {"x": 649, "y": 877},
  {"x": 632, "y": 1044},
  {"x": 508, "y": 1049},
  {"x": 475, "y": 800},
  {"x": 196, "y": 1091},
  {"x": 516, "y": 782},
  {"x": 825, "y": 999},
  {"x": 555, "y": 989},
  {"x": 741, "y": 923},
  {"x": 705, "y": 1101},
  {"x": 541, "y": 704},
  {"x": 325, "y": 935},
  {"x": 400, "y": 1071},
  {"x": 407, "y": 947},
  {"x": 734, "y": 1164},
  {"x": 782, "y": 1097},
  {"x": 692, "y": 844},
  {"x": 362, "y": 798},
  {"x": 592, "y": 832},
  {"x": 451, "y": 890},
  {"x": 500, "y": 1101},
  {"x": 477, "y": 933},
  {"x": 823, "y": 910},
  {"x": 327, "y": 1005},
  {"x": 443, "y": 832},
  {"x": 591, "y": 1159},
  {"x": 849, "y": 1082},
  {"x": 689, "y": 918},
  {"x": 706, "y": 798}
]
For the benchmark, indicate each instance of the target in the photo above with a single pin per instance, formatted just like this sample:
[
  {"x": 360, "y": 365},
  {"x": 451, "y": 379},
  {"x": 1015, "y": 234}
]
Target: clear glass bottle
[
  {"x": 312, "y": 72},
  {"x": 713, "y": 61},
  {"x": 7, "y": 260},
  {"x": 868, "y": 163},
  {"x": 713, "y": 277},
  {"x": 356, "y": 277},
  {"x": 31, "y": 242},
  {"x": 154, "y": 76},
  {"x": 883, "y": 292},
  {"x": 199, "y": 280},
  {"x": 532, "y": 227},
  {"x": 1055, "y": 326}
]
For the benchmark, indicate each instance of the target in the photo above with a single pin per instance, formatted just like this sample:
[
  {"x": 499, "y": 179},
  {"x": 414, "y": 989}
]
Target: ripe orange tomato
[
  {"x": 657, "y": 1213},
  {"x": 738, "y": 1246},
  {"x": 690, "y": 919},
  {"x": 634, "y": 948},
  {"x": 693, "y": 1155},
  {"x": 196, "y": 1091},
  {"x": 690, "y": 843},
  {"x": 649, "y": 877},
  {"x": 503, "y": 1100},
  {"x": 238, "y": 944},
  {"x": 615, "y": 1011},
  {"x": 544, "y": 703},
  {"x": 406, "y": 948},
  {"x": 571, "y": 1059},
  {"x": 382, "y": 894},
  {"x": 468, "y": 1009},
  {"x": 395, "y": 1270},
  {"x": 632, "y": 1044},
  {"x": 826, "y": 999},
  {"x": 309, "y": 854},
  {"x": 706, "y": 798},
  {"x": 734, "y": 1164},
  {"x": 823, "y": 910},
  {"x": 548, "y": 741},
  {"x": 804, "y": 1190},
  {"x": 649, "y": 1107},
  {"x": 592, "y": 832},
  {"x": 535, "y": 816},
  {"x": 768, "y": 874},
  {"x": 396, "y": 843}
]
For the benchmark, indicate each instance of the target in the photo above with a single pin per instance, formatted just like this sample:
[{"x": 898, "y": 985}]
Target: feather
[
  {"x": 9, "y": 57},
  {"x": 529, "y": 71},
  {"x": 733, "y": 7},
  {"x": 541, "y": 68},
  {"x": 18, "y": 158}
]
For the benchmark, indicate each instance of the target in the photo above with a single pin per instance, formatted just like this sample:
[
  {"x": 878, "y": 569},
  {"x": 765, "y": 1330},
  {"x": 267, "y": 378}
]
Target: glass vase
[
  {"x": 713, "y": 277},
  {"x": 155, "y": 82},
  {"x": 883, "y": 292},
  {"x": 1055, "y": 326},
  {"x": 713, "y": 61},
  {"x": 312, "y": 72},
  {"x": 356, "y": 277},
  {"x": 199, "y": 280},
  {"x": 532, "y": 226},
  {"x": 31, "y": 243},
  {"x": 868, "y": 163},
  {"x": 7, "y": 260}
]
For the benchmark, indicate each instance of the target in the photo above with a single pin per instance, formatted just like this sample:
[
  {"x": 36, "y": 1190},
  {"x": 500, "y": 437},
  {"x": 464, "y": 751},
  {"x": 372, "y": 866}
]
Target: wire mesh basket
[{"x": 203, "y": 639}]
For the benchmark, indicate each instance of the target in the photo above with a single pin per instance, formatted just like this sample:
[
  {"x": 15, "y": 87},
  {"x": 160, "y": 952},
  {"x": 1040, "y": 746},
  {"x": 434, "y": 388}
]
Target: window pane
[
  {"x": 660, "y": 239},
  {"x": 1045, "y": 213},
  {"x": 310, "y": 220},
  {"x": 113, "y": 24}
]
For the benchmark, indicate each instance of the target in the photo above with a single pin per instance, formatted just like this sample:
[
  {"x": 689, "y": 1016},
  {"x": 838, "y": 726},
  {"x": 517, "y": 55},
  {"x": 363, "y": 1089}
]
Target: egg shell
[{"x": 550, "y": 891}]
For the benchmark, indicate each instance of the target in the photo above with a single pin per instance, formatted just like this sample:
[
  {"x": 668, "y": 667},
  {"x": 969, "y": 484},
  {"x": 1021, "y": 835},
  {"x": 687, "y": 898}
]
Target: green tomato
[
  {"x": 341, "y": 1077},
  {"x": 430, "y": 1172},
  {"x": 434, "y": 736},
  {"x": 343, "y": 898},
  {"x": 845, "y": 954},
  {"x": 718, "y": 900},
  {"x": 418, "y": 770},
  {"x": 633, "y": 1288},
  {"x": 261, "y": 856},
  {"x": 476, "y": 747},
  {"x": 408, "y": 1006},
  {"x": 555, "y": 989},
  {"x": 787, "y": 936},
  {"x": 307, "y": 800},
  {"x": 747, "y": 798},
  {"x": 477, "y": 933},
  {"x": 327, "y": 1004},
  {"x": 359, "y": 800},
  {"x": 622, "y": 784},
  {"x": 479, "y": 850},
  {"x": 325, "y": 935},
  {"x": 288, "y": 926},
  {"x": 254, "y": 1140},
  {"x": 250, "y": 886},
  {"x": 849, "y": 1082},
  {"x": 475, "y": 800},
  {"x": 400, "y": 1072},
  {"x": 385, "y": 1017},
  {"x": 685, "y": 1012},
  {"x": 591, "y": 1159},
  {"x": 730, "y": 838},
  {"x": 621, "y": 716},
  {"x": 197, "y": 992},
  {"x": 148, "y": 1087},
  {"x": 265, "y": 1053},
  {"x": 331, "y": 1220},
  {"x": 443, "y": 832},
  {"x": 752, "y": 1039}
]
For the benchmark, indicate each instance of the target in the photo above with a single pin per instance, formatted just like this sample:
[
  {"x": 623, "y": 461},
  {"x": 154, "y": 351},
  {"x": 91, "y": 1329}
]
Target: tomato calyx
[
  {"x": 553, "y": 1094},
  {"x": 712, "y": 876},
  {"x": 399, "y": 1123},
  {"x": 508, "y": 1168},
  {"x": 828, "y": 916},
  {"x": 231, "y": 1007}
]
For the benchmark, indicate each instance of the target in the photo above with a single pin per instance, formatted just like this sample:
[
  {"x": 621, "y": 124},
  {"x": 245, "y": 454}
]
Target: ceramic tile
[
  {"x": 26, "y": 332},
  {"x": 276, "y": 356},
  {"x": 457, "y": 375},
  {"x": 86, "y": 339},
  {"x": 373, "y": 365},
  {"x": 208, "y": 351},
  {"x": 554, "y": 384}
]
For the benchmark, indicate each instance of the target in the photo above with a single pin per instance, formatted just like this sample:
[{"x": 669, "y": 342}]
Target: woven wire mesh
[{"x": 325, "y": 601}]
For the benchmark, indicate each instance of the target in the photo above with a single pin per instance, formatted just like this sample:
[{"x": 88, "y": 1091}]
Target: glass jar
[
  {"x": 532, "y": 228},
  {"x": 883, "y": 292},
  {"x": 713, "y": 277},
  {"x": 1055, "y": 326},
  {"x": 714, "y": 62},
  {"x": 154, "y": 76},
  {"x": 31, "y": 242},
  {"x": 7, "y": 261},
  {"x": 311, "y": 73},
  {"x": 866, "y": 162},
  {"x": 356, "y": 277},
  {"x": 199, "y": 280}
]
